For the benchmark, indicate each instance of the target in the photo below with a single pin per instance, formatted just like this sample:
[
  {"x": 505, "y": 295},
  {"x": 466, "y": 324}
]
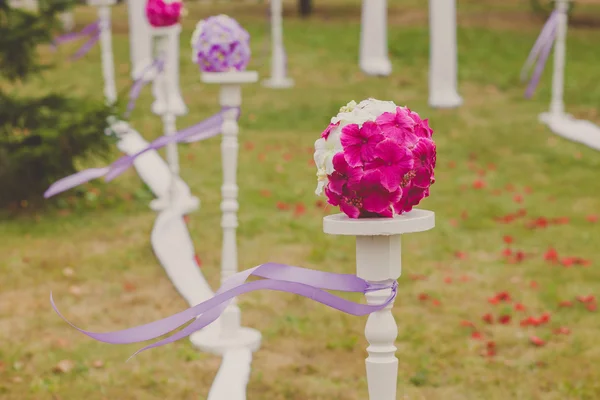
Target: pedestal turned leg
[
  {"x": 557, "y": 106},
  {"x": 378, "y": 260},
  {"x": 278, "y": 79},
  {"x": 108, "y": 67},
  {"x": 231, "y": 96}
]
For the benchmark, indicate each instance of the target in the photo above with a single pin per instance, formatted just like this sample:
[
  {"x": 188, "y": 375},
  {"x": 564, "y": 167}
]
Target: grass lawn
[{"x": 501, "y": 176}]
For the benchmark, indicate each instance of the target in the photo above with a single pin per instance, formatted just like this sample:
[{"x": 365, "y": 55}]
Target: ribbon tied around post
[
  {"x": 146, "y": 76},
  {"x": 278, "y": 277},
  {"x": 92, "y": 31},
  {"x": 540, "y": 52},
  {"x": 203, "y": 130}
]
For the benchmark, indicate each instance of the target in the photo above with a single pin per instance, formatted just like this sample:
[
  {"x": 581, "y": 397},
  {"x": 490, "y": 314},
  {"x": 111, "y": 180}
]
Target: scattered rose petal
[
  {"x": 460, "y": 255},
  {"x": 249, "y": 146},
  {"x": 519, "y": 307},
  {"x": 186, "y": 219},
  {"x": 287, "y": 156},
  {"x": 300, "y": 209},
  {"x": 563, "y": 330},
  {"x": 129, "y": 287},
  {"x": 466, "y": 323},
  {"x": 477, "y": 335},
  {"x": 487, "y": 318},
  {"x": 592, "y": 218},
  {"x": 423, "y": 296},
  {"x": 282, "y": 206},
  {"x": 504, "y": 319},
  {"x": 478, "y": 184},
  {"x": 465, "y": 278},
  {"x": 518, "y": 198},
  {"x": 533, "y": 285},
  {"x": 536, "y": 341},
  {"x": 565, "y": 303},
  {"x": 448, "y": 279},
  {"x": 436, "y": 302},
  {"x": 507, "y": 239},
  {"x": 197, "y": 260}
]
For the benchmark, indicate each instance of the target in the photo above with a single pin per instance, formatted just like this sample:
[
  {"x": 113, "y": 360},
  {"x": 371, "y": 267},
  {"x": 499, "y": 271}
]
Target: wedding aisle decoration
[
  {"x": 554, "y": 34},
  {"x": 376, "y": 161}
]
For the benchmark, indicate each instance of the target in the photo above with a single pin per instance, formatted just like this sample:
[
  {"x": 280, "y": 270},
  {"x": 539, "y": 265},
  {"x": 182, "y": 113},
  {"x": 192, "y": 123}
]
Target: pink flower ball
[
  {"x": 162, "y": 13},
  {"x": 376, "y": 164}
]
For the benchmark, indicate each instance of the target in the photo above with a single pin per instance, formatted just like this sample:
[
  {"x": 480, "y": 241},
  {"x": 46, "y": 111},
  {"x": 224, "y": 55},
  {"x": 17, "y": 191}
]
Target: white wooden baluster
[
  {"x": 169, "y": 106},
  {"x": 140, "y": 40},
  {"x": 443, "y": 59},
  {"x": 230, "y": 333},
  {"x": 278, "y": 79},
  {"x": 373, "y": 38},
  {"x": 378, "y": 260},
  {"x": 108, "y": 65},
  {"x": 557, "y": 106}
]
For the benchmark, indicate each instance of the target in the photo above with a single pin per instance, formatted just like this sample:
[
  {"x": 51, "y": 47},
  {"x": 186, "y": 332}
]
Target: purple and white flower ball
[{"x": 220, "y": 44}]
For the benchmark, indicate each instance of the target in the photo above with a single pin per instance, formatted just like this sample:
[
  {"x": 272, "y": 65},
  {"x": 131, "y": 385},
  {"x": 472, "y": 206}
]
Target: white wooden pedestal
[
  {"x": 140, "y": 41},
  {"x": 373, "y": 57},
  {"x": 560, "y": 122},
  {"x": 278, "y": 79},
  {"x": 378, "y": 260},
  {"x": 443, "y": 60},
  {"x": 108, "y": 65},
  {"x": 169, "y": 104},
  {"x": 230, "y": 333}
]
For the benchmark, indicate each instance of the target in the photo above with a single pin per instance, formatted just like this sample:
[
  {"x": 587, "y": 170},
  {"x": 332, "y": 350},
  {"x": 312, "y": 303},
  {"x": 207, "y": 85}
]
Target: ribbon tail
[
  {"x": 539, "y": 68},
  {"x": 140, "y": 83},
  {"x": 540, "y": 43},
  {"x": 87, "y": 46},
  {"x": 69, "y": 37},
  {"x": 74, "y": 180}
]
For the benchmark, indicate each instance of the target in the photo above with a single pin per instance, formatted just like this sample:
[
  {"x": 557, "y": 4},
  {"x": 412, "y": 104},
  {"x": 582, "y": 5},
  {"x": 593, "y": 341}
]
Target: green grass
[{"x": 309, "y": 351}]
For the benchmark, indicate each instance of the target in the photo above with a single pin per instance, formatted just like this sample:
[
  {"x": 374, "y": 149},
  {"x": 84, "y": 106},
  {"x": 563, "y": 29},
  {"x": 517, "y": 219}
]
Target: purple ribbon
[
  {"x": 139, "y": 84},
  {"x": 278, "y": 277},
  {"x": 203, "y": 130},
  {"x": 541, "y": 50},
  {"x": 92, "y": 30}
]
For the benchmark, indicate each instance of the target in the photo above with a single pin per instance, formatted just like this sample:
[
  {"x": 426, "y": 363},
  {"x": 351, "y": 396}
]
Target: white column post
[
  {"x": 168, "y": 104},
  {"x": 140, "y": 40},
  {"x": 557, "y": 106},
  {"x": 108, "y": 65},
  {"x": 378, "y": 261},
  {"x": 278, "y": 79},
  {"x": 373, "y": 38},
  {"x": 443, "y": 59},
  {"x": 230, "y": 333}
]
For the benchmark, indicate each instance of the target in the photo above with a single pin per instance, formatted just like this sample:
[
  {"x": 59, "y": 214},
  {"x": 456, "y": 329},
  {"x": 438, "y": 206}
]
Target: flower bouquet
[
  {"x": 162, "y": 13},
  {"x": 375, "y": 159},
  {"x": 220, "y": 44}
]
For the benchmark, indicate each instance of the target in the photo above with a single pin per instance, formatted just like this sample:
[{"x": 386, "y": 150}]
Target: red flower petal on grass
[
  {"x": 319, "y": 204},
  {"x": 249, "y": 146},
  {"x": 265, "y": 193},
  {"x": 129, "y": 287},
  {"x": 518, "y": 198},
  {"x": 460, "y": 255},
  {"x": 186, "y": 219},
  {"x": 519, "y": 307},
  {"x": 563, "y": 330},
  {"x": 478, "y": 184},
  {"x": 507, "y": 252},
  {"x": 528, "y": 190},
  {"x": 477, "y": 335},
  {"x": 504, "y": 319},
  {"x": 423, "y": 296},
  {"x": 453, "y": 222},
  {"x": 591, "y": 306},
  {"x": 197, "y": 260},
  {"x": 551, "y": 255},
  {"x": 465, "y": 278},
  {"x": 300, "y": 209},
  {"x": 468, "y": 324},
  {"x": 487, "y": 318},
  {"x": 448, "y": 279},
  {"x": 565, "y": 303},
  {"x": 436, "y": 302},
  {"x": 560, "y": 220},
  {"x": 507, "y": 239},
  {"x": 592, "y": 218},
  {"x": 503, "y": 296},
  {"x": 533, "y": 285},
  {"x": 282, "y": 206},
  {"x": 586, "y": 299},
  {"x": 493, "y": 300},
  {"x": 567, "y": 262},
  {"x": 536, "y": 341},
  {"x": 451, "y": 164}
]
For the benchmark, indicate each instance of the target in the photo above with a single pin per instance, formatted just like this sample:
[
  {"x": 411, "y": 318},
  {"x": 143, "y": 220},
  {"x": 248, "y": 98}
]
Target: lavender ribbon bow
[
  {"x": 92, "y": 30},
  {"x": 203, "y": 130},
  {"x": 139, "y": 84},
  {"x": 540, "y": 51},
  {"x": 279, "y": 277}
]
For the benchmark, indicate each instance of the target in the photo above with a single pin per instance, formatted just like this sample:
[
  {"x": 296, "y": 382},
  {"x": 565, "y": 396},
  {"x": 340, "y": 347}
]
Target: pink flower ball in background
[
  {"x": 161, "y": 13},
  {"x": 375, "y": 159}
]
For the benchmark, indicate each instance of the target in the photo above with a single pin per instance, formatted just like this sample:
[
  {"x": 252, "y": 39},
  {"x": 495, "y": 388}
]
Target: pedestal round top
[
  {"x": 165, "y": 30},
  {"x": 232, "y": 77},
  {"x": 414, "y": 221}
]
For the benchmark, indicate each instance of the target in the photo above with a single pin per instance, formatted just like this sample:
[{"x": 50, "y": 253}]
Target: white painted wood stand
[
  {"x": 169, "y": 104},
  {"x": 140, "y": 41},
  {"x": 108, "y": 64},
  {"x": 373, "y": 56},
  {"x": 378, "y": 260},
  {"x": 443, "y": 59},
  {"x": 278, "y": 79},
  {"x": 561, "y": 123},
  {"x": 230, "y": 334}
]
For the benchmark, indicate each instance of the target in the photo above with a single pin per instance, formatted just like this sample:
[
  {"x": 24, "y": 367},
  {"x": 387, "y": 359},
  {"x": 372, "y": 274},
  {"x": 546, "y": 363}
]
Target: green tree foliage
[{"x": 43, "y": 136}]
